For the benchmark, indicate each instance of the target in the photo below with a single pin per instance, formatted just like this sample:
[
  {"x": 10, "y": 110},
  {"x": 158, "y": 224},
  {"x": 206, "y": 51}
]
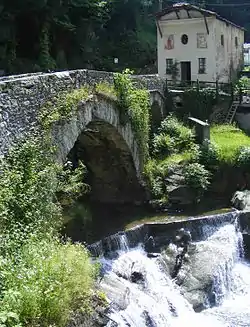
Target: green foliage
[
  {"x": 242, "y": 157},
  {"x": 229, "y": 139},
  {"x": 63, "y": 106},
  {"x": 155, "y": 175},
  {"x": 242, "y": 85},
  {"x": 196, "y": 176},
  {"x": 91, "y": 29},
  {"x": 105, "y": 88},
  {"x": 56, "y": 278},
  {"x": 45, "y": 59},
  {"x": 27, "y": 186},
  {"x": 209, "y": 154},
  {"x": 133, "y": 103},
  {"x": 163, "y": 145},
  {"x": 197, "y": 103},
  {"x": 41, "y": 279},
  {"x": 173, "y": 137},
  {"x": 71, "y": 183}
]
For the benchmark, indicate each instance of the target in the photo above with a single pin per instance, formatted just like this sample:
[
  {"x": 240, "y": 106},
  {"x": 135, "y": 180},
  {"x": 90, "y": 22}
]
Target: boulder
[
  {"x": 201, "y": 268},
  {"x": 96, "y": 318},
  {"x": 181, "y": 194},
  {"x": 136, "y": 277},
  {"x": 241, "y": 200}
]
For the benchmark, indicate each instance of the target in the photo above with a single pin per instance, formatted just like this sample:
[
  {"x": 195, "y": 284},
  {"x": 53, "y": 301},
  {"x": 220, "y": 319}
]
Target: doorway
[{"x": 186, "y": 71}]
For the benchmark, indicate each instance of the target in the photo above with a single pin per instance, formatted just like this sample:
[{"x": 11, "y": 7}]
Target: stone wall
[{"x": 22, "y": 96}]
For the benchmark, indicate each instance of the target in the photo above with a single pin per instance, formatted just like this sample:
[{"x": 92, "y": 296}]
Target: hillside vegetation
[
  {"x": 37, "y": 35},
  {"x": 174, "y": 147}
]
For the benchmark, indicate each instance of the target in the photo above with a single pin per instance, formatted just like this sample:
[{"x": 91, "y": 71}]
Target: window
[
  {"x": 202, "y": 65},
  {"x": 184, "y": 39},
  {"x": 236, "y": 41},
  {"x": 222, "y": 40},
  {"x": 169, "y": 65}
]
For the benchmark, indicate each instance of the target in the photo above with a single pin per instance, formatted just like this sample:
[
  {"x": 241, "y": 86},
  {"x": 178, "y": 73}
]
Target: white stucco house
[{"x": 198, "y": 43}]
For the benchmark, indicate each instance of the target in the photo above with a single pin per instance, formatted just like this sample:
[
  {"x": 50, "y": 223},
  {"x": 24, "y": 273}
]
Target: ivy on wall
[{"x": 134, "y": 103}]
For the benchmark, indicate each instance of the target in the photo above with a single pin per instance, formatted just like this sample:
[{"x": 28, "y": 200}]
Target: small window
[
  {"x": 222, "y": 40},
  {"x": 184, "y": 39},
  {"x": 236, "y": 41},
  {"x": 202, "y": 65},
  {"x": 169, "y": 65}
]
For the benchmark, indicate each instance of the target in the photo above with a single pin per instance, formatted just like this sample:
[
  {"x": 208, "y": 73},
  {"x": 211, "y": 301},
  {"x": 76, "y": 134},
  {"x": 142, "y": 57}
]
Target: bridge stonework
[
  {"x": 93, "y": 134},
  {"x": 22, "y": 96}
]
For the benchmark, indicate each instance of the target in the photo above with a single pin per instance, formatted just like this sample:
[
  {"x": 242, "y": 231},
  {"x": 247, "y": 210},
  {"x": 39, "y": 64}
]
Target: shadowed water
[{"x": 156, "y": 301}]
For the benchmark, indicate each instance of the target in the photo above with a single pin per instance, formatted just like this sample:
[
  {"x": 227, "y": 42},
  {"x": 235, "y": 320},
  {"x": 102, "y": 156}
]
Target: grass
[
  {"x": 229, "y": 139},
  {"x": 106, "y": 88},
  {"x": 176, "y": 158}
]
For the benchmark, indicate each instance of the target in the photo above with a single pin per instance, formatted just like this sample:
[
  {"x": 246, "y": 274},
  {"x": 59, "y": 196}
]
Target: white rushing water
[{"x": 157, "y": 301}]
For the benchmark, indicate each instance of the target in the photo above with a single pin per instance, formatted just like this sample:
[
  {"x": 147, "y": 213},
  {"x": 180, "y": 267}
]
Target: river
[{"x": 158, "y": 301}]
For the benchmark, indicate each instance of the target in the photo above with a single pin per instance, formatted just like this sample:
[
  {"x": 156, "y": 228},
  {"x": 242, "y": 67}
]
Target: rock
[
  {"x": 181, "y": 195},
  {"x": 136, "y": 277},
  {"x": 149, "y": 244},
  {"x": 97, "y": 318},
  {"x": 241, "y": 200},
  {"x": 199, "y": 270}
]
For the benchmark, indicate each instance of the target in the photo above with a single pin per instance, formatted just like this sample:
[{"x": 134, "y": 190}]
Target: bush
[
  {"x": 197, "y": 103},
  {"x": 155, "y": 175},
  {"x": 163, "y": 145},
  {"x": 173, "y": 137},
  {"x": 196, "y": 176},
  {"x": 46, "y": 282},
  {"x": 41, "y": 279},
  {"x": 209, "y": 154},
  {"x": 243, "y": 157}
]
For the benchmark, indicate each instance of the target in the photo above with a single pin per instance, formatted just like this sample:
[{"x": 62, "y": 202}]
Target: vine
[
  {"x": 134, "y": 104},
  {"x": 45, "y": 59}
]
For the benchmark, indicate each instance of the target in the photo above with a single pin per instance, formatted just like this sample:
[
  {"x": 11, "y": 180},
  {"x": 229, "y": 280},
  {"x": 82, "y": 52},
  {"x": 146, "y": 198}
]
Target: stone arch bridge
[{"x": 94, "y": 133}]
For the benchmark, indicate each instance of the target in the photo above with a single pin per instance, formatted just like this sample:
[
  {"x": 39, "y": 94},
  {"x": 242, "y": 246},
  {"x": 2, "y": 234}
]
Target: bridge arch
[{"x": 109, "y": 149}]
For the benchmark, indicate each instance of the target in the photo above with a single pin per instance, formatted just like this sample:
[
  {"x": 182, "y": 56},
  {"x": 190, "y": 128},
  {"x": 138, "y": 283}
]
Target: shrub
[
  {"x": 243, "y": 157},
  {"x": 209, "y": 154},
  {"x": 163, "y": 145},
  {"x": 197, "y": 103},
  {"x": 196, "y": 176},
  {"x": 173, "y": 137},
  {"x": 46, "y": 282},
  {"x": 41, "y": 279},
  {"x": 155, "y": 175}
]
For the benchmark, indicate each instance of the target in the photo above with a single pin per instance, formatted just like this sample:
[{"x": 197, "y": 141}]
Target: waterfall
[{"x": 143, "y": 294}]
